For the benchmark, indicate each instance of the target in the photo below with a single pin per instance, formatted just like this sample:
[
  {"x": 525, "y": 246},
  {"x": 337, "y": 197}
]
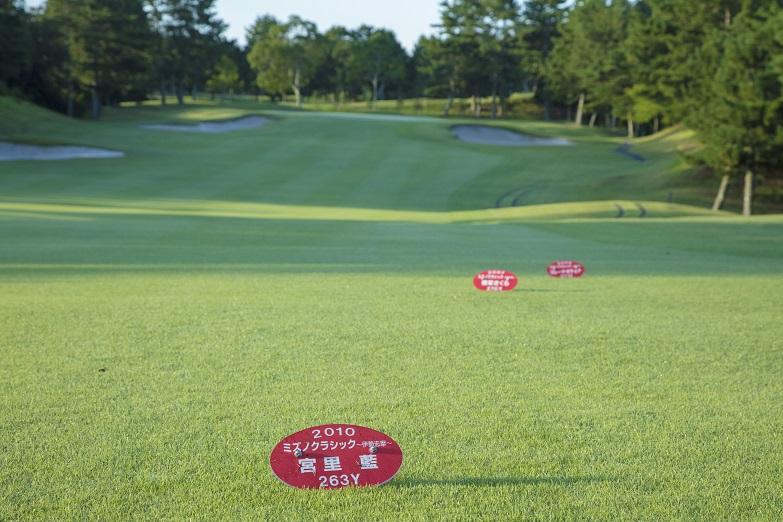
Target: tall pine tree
[{"x": 740, "y": 117}]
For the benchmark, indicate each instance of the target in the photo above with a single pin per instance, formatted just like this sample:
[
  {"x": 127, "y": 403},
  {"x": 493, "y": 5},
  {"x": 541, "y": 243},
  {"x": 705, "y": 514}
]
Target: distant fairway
[{"x": 167, "y": 317}]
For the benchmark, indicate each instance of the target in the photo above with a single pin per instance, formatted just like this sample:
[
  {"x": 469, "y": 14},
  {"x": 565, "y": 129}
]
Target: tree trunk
[
  {"x": 630, "y": 127},
  {"x": 592, "y": 119},
  {"x": 721, "y": 196},
  {"x": 449, "y": 103},
  {"x": 70, "y": 97},
  {"x": 494, "y": 96},
  {"x": 580, "y": 107},
  {"x": 296, "y": 87},
  {"x": 374, "y": 91},
  {"x": 747, "y": 194},
  {"x": 163, "y": 92},
  {"x": 96, "y": 102},
  {"x": 178, "y": 92},
  {"x": 656, "y": 125}
]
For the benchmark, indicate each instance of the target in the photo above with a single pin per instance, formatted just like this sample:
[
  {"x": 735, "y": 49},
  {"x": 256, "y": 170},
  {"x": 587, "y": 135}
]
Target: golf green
[{"x": 167, "y": 317}]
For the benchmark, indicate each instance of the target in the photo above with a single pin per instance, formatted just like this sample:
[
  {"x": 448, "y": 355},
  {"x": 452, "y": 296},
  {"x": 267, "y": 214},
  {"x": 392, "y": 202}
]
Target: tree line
[
  {"x": 714, "y": 65},
  {"x": 77, "y": 56}
]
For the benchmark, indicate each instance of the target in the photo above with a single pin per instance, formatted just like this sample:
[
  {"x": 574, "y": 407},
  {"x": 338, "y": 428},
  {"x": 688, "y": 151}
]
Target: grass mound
[{"x": 19, "y": 118}]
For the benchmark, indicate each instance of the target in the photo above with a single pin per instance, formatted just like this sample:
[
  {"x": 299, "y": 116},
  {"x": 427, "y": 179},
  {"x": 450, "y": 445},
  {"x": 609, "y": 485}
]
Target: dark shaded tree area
[
  {"x": 714, "y": 65},
  {"x": 637, "y": 65},
  {"x": 76, "y": 56}
]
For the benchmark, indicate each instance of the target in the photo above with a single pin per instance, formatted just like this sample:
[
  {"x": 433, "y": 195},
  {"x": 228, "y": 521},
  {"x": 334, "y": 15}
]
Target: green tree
[
  {"x": 15, "y": 40},
  {"x": 257, "y": 31},
  {"x": 47, "y": 81},
  {"x": 663, "y": 50},
  {"x": 282, "y": 56},
  {"x": 260, "y": 28},
  {"x": 542, "y": 20},
  {"x": 436, "y": 74},
  {"x": 588, "y": 60},
  {"x": 377, "y": 59},
  {"x": 333, "y": 71},
  {"x": 190, "y": 36},
  {"x": 740, "y": 114},
  {"x": 498, "y": 45},
  {"x": 268, "y": 58},
  {"x": 460, "y": 31},
  {"x": 225, "y": 78},
  {"x": 107, "y": 46},
  {"x": 481, "y": 45}
]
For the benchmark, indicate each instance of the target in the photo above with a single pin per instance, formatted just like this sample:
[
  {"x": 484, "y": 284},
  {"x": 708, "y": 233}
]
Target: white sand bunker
[
  {"x": 214, "y": 127},
  {"x": 363, "y": 116},
  {"x": 21, "y": 151},
  {"x": 486, "y": 135}
]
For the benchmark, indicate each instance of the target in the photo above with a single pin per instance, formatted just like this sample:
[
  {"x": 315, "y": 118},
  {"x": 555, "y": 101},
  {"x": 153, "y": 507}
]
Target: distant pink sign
[
  {"x": 566, "y": 269},
  {"x": 495, "y": 281}
]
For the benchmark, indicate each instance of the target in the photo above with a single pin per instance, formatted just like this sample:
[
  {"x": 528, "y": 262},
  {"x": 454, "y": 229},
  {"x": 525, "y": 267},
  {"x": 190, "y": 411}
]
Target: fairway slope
[{"x": 346, "y": 160}]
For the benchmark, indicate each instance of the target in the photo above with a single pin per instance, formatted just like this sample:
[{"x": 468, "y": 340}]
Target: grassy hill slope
[{"x": 334, "y": 160}]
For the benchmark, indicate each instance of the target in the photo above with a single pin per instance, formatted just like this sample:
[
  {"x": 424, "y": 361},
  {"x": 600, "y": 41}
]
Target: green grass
[
  {"x": 520, "y": 105},
  {"x": 237, "y": 288},
  {"x": 319, "y": 159}
]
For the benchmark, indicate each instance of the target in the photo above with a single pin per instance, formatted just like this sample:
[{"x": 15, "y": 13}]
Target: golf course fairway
[{"x": 168, "y": 316}]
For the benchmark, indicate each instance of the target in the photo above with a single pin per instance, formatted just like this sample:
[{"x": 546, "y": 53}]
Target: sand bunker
[
  {"x": 214, "y": 127},
  {"x": 20, "y": 151},
  {"x": 359, "y": 116},
  {"x": 486, "y": 135}
]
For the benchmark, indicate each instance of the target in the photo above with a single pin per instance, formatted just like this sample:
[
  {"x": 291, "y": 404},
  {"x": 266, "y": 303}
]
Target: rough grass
[{"x": 167, "y": 317}]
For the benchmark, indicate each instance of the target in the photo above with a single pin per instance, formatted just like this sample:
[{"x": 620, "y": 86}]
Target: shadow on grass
[{"x": 493, "y": 481}]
